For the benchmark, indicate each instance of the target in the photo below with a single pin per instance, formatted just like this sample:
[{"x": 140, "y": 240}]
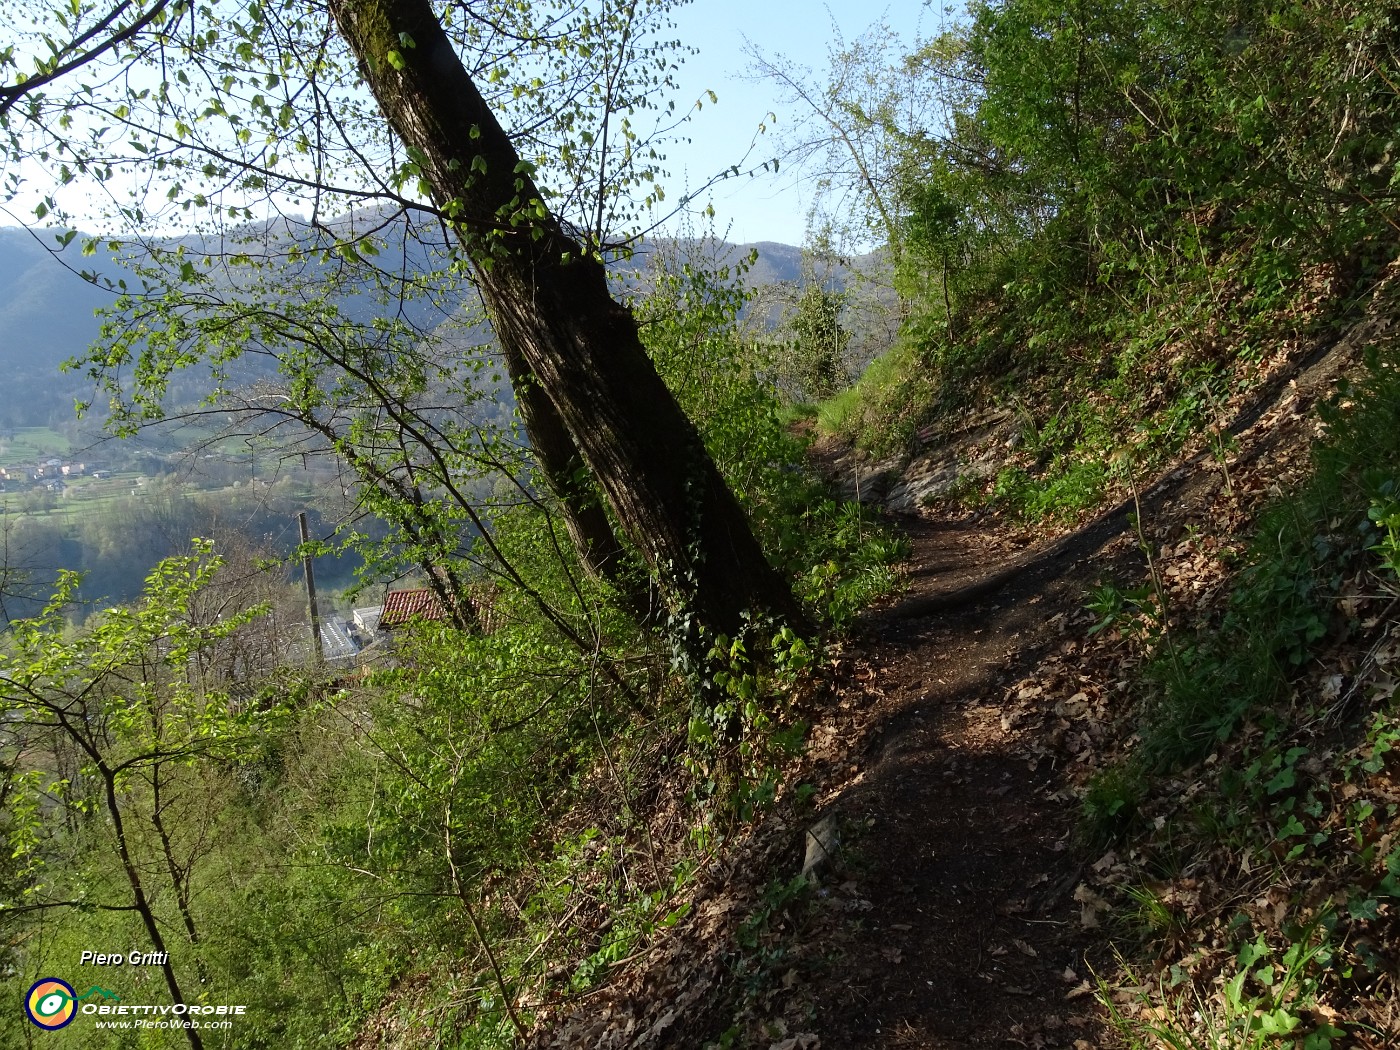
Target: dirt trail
[
  {"x": 981, "y": 930},
  {"x": 975, "y": 925},
  {"x": 949, "y": 918},
  {"x": 958, "y": 914},
  {"x": 960, "y": 834}
]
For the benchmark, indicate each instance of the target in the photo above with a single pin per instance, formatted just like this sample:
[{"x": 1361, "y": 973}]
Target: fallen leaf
[{"x": 1092, "y": 903}]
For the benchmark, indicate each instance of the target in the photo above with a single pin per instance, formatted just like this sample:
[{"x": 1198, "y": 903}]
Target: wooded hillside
[{"x": 696, "y": 744}]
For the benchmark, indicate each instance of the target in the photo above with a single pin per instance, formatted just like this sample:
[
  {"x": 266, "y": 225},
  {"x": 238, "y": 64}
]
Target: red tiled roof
[
  {"x": 483, "y": 602},
  {"x": 402, "y": 606}
]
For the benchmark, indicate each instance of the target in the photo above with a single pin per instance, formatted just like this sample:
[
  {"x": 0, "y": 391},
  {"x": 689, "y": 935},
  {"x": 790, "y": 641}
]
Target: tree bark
[
  {"x": 550, "y": 305},
  {"x": 559, "y": 460}
]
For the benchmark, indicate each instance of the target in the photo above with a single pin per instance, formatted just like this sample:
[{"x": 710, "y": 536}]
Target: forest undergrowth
[{"x": 1196, "y": 330}]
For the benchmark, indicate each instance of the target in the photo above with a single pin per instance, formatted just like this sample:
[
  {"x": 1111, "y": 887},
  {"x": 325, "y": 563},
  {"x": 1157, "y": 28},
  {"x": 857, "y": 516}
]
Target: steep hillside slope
[{"x": 1015, "y": 860}]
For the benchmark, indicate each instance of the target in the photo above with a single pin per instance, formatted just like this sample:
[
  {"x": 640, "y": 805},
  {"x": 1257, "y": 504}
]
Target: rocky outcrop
[{"x": 907, "y": 482}]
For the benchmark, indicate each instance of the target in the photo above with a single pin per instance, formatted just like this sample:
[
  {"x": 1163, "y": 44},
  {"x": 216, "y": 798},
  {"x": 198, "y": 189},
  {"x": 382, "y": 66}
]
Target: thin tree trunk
[
  {"x": 178, "y": 879},
  {"x": 550, "y": 305},
  {"x": 139, "y": 898}
]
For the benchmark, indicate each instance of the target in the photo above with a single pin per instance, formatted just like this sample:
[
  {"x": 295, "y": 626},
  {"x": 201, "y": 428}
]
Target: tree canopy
[{"x": 231, "y": 115}]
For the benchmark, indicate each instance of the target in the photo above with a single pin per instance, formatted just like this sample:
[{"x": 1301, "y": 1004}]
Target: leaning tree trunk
[
  {"x": 559, "y": 460},
  {"x": 550, "y": 304}
]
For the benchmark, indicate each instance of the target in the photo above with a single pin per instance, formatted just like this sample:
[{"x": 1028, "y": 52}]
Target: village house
[{"x": 401, "y": 607}]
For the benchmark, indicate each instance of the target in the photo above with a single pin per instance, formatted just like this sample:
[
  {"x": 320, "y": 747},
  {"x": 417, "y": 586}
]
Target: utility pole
[{"x": 309, "y": 572}]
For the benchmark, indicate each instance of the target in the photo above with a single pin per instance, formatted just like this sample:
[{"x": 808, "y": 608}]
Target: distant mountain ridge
[{"x": 47, "y": 314}]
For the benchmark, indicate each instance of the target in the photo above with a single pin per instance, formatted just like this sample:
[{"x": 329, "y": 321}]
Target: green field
[
  {"x": 25, "y": 446},
  {"x": 84, "y": 495}
]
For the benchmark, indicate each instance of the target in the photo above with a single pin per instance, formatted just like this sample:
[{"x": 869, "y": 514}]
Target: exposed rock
[
  {"x": 927, "y": 477},
  {"x": 823, "y": 842},
  {"x": 864, "y": 479},
  {"x": 902, "y": 483}
]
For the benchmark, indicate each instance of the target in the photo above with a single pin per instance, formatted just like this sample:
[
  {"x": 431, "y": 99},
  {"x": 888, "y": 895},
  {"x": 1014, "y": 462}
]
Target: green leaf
[
  {"x": 1363, "y": 908},
  {"x": 1251, "y": 953},
  {"x": 1281, "y": 781},
  {"x": 1322, "y": 1038},
  {"x": 1277, "y": 1022}
]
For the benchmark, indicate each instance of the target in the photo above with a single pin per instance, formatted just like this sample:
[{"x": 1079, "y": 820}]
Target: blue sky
[
  {"x": 747, "y": 209},
  {"x": 767, "y": 208}
]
